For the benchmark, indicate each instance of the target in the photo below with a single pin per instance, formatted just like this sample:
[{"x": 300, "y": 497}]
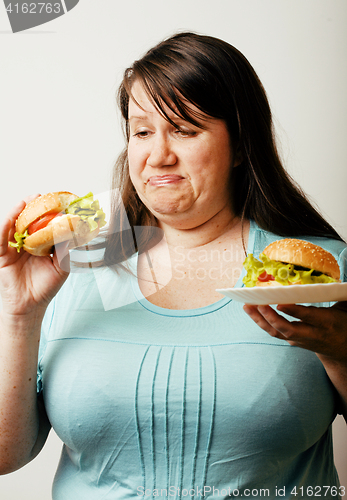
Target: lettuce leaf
[
  {"x": 89, "y": 210},
  {"x": 285, "y": 274},
  {"x": 19, "y": 240}
]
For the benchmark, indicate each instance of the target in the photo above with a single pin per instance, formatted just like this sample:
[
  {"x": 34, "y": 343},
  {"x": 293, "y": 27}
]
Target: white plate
[{"x": 292, "y": 294}]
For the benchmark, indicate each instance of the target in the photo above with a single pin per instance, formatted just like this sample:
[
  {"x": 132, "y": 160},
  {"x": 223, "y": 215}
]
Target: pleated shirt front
[{"x": 152, "y": 402}]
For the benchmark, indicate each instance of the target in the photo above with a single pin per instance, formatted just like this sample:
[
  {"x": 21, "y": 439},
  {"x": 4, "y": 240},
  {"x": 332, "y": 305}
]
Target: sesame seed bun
[
  {"x": 43, "y": 205},
  {"x": 66, "y": 227},
  {"x": 305, "y": 254}
]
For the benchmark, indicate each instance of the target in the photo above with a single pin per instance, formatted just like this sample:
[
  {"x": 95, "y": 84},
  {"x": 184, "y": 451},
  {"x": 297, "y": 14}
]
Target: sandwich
[
  {"x": 291, "y": 262},
  {"x": 56, "y": 218}
]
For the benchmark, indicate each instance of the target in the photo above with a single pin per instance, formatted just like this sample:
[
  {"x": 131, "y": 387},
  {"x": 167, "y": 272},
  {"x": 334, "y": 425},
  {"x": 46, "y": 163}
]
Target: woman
[{"x": 156, "y": 384}]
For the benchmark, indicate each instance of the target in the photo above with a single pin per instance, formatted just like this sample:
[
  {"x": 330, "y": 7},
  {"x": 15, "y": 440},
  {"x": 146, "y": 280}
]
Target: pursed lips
[{"x": 163, "y": 180}]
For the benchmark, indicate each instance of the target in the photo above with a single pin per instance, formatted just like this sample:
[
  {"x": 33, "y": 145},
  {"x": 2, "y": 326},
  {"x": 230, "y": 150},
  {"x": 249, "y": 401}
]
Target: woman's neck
[{"x": 224, "y": 222}]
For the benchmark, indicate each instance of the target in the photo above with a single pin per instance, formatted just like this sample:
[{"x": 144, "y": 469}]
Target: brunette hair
[{"x": 220, "y": 82}]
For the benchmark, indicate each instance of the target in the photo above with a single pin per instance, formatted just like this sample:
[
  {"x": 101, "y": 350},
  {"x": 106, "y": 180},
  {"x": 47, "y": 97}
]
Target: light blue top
[{"x": 180, "y": 403}]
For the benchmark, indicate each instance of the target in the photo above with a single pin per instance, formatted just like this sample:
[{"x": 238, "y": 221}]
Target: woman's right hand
[{"x": 27, "y": 283}]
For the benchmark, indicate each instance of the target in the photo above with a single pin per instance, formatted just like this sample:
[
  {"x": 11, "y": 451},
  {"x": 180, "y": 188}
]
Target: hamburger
[
  {"x": 291, "y": 262},
  {"x": 55, "y": 218}
]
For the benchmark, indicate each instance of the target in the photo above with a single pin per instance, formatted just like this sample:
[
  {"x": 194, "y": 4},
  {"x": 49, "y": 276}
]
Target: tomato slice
[
  {"x": 264, "y": 276},
  {"x": 41, "y": 223}
]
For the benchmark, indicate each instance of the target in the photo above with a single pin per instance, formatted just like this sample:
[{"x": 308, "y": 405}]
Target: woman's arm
[
  {"x": 319, "y": 329},
  {"x": 24, "y": 426},
  {"x": 27, "y": 284}
]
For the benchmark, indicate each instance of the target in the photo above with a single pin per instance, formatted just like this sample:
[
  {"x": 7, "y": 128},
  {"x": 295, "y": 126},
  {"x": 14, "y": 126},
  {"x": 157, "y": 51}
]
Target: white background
[{"x": 59, "y": 126}]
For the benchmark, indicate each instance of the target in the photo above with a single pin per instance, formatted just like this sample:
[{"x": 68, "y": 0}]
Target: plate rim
[{"x": 241, "y": 292}]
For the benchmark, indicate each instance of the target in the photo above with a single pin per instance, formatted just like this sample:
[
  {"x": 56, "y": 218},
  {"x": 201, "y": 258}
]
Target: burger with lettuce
[
  {"x": 291, "y": 262},
  {"x": 55, "y": 218}
]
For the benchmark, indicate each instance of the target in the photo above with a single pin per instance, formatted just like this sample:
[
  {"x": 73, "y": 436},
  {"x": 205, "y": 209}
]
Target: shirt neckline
[{"x": 199, "y": 311}]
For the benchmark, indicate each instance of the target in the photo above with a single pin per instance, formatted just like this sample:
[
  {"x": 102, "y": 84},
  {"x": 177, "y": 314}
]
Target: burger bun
[
  {"x": 65, "y": 227},
  {"x": 305, "y": 254},
  {"x": 43, "y": 205}
]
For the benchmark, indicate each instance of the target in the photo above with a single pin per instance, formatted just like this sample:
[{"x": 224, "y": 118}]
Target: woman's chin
[
  {"x": 172, "y": 215},
  {"x": 169, "y": 205},
  {"x": 164, "y": 208}
]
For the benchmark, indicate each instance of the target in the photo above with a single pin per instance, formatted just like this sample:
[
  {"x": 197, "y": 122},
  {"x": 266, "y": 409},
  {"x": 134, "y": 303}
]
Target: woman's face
[{"x": 180, "y": 173}]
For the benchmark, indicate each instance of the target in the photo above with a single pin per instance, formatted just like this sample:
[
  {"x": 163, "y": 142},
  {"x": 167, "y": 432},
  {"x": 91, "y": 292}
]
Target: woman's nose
[{"x": 161, "y": 153}]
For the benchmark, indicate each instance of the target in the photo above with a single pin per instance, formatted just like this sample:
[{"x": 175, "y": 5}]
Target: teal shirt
[{"x": 200, "y": 403}]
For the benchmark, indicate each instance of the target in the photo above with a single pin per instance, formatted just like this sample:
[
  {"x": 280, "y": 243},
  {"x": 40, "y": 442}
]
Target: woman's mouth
[{"x": 164, "y": 180}]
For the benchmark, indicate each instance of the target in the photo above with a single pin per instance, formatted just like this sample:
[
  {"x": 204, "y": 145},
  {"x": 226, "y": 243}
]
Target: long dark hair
[{"x": 218, "y": 80}]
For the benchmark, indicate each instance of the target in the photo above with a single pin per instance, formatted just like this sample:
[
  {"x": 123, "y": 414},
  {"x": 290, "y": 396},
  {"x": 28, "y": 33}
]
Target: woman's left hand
[{"x": 322, "y": 330}]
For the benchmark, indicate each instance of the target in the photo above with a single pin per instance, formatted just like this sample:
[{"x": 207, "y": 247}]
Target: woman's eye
[
  {"x": 185, "y": 132},
  {"x": 141, "y": 133}
]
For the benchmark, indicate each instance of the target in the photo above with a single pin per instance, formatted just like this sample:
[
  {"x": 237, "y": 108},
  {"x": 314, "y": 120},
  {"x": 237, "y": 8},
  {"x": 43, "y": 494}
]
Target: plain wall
[{"x": 60, "y": 127}]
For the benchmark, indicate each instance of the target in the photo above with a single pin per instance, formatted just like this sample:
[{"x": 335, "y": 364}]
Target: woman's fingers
[
  {"x": 267, "y": 319},
  {"x": 319, "y": 329},
  {"x": 315, "y": 316},
  {"x": 7, "y": 227},
  {"x": 310, "y": 317}
]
